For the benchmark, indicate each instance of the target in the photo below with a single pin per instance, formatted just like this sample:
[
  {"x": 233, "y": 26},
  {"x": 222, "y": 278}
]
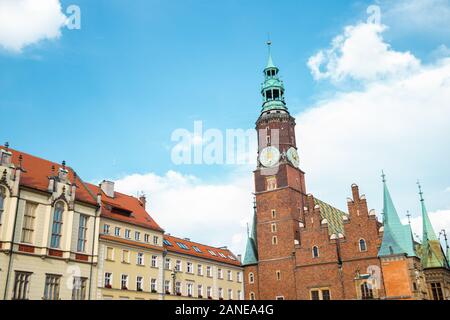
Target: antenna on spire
[
  {"x": 420, "y": 191},
  {"x": 409, "y": 216},
  {"x": 383, "y": 175}
]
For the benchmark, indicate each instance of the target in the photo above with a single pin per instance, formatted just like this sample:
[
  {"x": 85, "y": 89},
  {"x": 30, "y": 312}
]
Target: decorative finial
[
  {"x": 383, "y": 175},
  {"x": 20, "y": 161},
  {"x": 409, "y": 217},
  {"x": 64, "y": 164},
  {"x": 420, "y": 191},
  {"x": 6, "y": 145}
]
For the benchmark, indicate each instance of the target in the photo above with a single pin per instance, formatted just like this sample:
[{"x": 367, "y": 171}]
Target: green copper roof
[
  {"x": 270, "y": 64},
  {"x": 432, "y": 253},
  {"x": 334, "y": 216},
  {"x": 397, "y": 238},
  {"x": 251, "y": 250}
]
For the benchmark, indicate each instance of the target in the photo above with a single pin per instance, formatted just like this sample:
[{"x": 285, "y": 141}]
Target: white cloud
[
  {"x": 26, "y": 22},
  {"x": 185, "y": 206},
  {"x": 361, "y": 54},
  {"x": 417, "y": 16},
  {"x": 396, "y": 123},
  {"x": 439, "y": 219}
]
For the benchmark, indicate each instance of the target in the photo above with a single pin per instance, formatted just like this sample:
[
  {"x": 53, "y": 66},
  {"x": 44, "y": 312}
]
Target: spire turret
[
  {"x": 272, "y": 88},
  {"x": 397, "y": 238},
  {"x": 433, "y": 255}
]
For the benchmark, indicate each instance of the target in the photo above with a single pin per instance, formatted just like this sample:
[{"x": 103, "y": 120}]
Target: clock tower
[{"x": 280, "y": 195}]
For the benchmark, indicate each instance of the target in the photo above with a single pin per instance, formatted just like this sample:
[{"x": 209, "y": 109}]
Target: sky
[{"x": 368, "y": 95}]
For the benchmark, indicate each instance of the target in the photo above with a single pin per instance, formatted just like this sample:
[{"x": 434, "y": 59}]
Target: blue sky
[{"x": 106, "y": 98}]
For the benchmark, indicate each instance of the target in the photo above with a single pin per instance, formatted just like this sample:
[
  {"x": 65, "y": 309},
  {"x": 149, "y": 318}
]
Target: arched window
[
  {"x": 366, "y": 292},
  {"x": 2, "y": 202},
  {"x": 315, "y": 252},
  {"x": 274, "y": 240},
  {"x": 362, "y": 245},
  {"x": 251, "y": 277},
  {"x": 252, "y": 296},
  {"x": 57, "y": 225}
]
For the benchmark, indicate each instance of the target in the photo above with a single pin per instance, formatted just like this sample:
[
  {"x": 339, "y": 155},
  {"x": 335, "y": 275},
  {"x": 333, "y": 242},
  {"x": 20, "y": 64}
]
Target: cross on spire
[
  {"x": 383, "y": 176},
  {"x": 420, "y": 191},
  {"x": 409, "y": 216}
]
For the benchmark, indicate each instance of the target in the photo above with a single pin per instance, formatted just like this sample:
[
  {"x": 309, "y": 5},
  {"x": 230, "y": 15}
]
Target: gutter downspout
[
  {"x": 12, "y": 247},
  {"x": 163, "y": 291},
  {"x": 92, "y": 254}
]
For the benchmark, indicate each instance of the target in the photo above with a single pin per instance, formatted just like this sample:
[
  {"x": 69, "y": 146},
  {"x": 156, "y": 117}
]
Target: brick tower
[{"x": 280, "y": 194}]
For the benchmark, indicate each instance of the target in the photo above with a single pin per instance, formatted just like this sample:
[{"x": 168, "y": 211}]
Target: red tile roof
[
  {"x": 205, "y": 254},
  {"x": 37, "y": 171}
]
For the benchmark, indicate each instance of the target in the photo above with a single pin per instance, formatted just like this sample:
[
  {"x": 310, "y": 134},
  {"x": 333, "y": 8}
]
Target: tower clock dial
[
  {"x": 269, "y": 157},
  {"x": 293, "y": 158}
]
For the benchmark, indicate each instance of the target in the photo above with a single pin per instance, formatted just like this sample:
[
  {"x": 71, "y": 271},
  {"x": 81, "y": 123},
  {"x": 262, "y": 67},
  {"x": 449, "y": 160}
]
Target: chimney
[
  {"x": 355, "y": 192},
  {"x": 239, "y": 257},
  {"x": 108, "y": 188},
  {"x": 143, "y": 200}
]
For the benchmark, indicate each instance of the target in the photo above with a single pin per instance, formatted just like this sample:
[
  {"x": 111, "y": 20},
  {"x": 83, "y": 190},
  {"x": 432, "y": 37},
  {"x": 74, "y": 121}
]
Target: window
[
  {"x": 127, "y": 233},
  {"x": 252, "y": 296},
  {"x": 239, "y": 295},
  {"x": 155, "y": 261},
  {"x": 147, "y": 238},
  {"x": 230, "y": 294},
  {"x": 320, "y": 294},
  {"x": 189, "y": 267},
  {"x": 109, "y": 253},
  {"x": 21, "y": 285},
  {"x": 220, "y": 273},
  {"x": 274, "y": 240},
  {"x": 190, "y": 289},
  {"x": 79, "y": 288},
  {"x": 239, "y": 276},
  {"x": 108, "y": 280},
  {"x": 222, "y": 255},
  {"x": 117, "y": 231},
  {"x": 124, "y": 282},
  {"x": 153, "y": 284},
  {"x": 229, "y": 275},
  {"x": 167, "y": 243},
  {"x": 155, "y": 240},
  {"x": 200, "y": 291},
  {"x": 251, "y": 278},
  {"x": 436, "y": 289},
  {"x": 167, "y": 264},
  {"x": 271, "y": 183},
  {"x": 212, "y": 253},
  {"x": 182, "y": 246},
  {"x": 209, "y": 292},
  {"x": 140, "y": 259},
  {"x": 28, "y": 222},
  {"x": 178, "y": 266},
  {"x": 315, "y": 252},
  {"x": 125, "y": 256},
  {"x": 82, "y": 234},
  {"x": 209, "y": 271},
  {"x": 57, "y": 225},
  {"x": 178, "y": 288},
  {"x": 220, "y": 293},
  {"x": 139, "y": 283},
  {"x": 197, "y": 249},
  {"x": 200, "y": 270},
  {"x": 274, "y": 214},
  {"x": 278, "y": 274},
  {"x": 366, "y": 292},
  {"x": 274, "y": 227},
  {"x": 362, "y": 245},
  {"x": 137, "y": 236},
  {"x": 106, "y": 228},
  {"x": 2, "y": 202},
  {"x": 279, "y": 298},
  {"x": 167, "y": 286},
  {"x": 52, "y": 286}
]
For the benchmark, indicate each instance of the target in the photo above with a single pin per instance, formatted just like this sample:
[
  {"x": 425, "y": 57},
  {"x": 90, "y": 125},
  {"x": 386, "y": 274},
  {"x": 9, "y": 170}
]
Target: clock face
[
  {"x": 293, "y": 157},
  {"x": 269, "y": 157}
]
